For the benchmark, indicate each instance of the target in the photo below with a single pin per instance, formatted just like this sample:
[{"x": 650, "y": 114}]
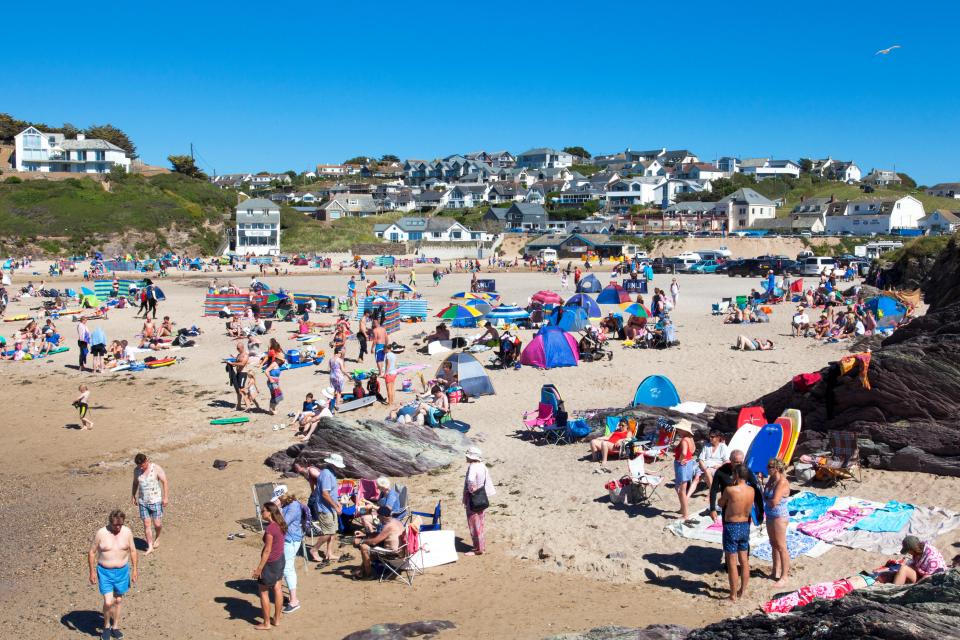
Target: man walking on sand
[
  {"x": 113, "y": 567},
  {"x": 323, "y": 503},
  {"x": 737, "y": 502},
  {"x": 379, "y": 345},
  {"x": 150, "y": 494}
]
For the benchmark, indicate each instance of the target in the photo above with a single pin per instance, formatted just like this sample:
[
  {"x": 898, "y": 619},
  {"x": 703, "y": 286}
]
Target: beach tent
[
  {"x": 613, "y": 294},
  {"x": 570, "y": 318},
  {"x": 656, "y": 391},
  {"x": 473, "y": 377},
  {"x": 585, "y": 302},
  {"x": 888, "y": 311},
  {"x": 589, "y": 284},
  {"x": 551, "y": 347},
  {"x": 506, "y": 314}
]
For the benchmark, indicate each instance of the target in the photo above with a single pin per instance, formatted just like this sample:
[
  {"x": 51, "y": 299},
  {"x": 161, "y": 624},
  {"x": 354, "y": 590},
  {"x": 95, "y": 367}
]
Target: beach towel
[
  {"x": 798, "y": 543},
  {"x": 925, "y": 522},
  {"x": 803, "y": 382},
  {"x": 835, "y": 522},
  {"x": 893, "y": 517},
  {"x": 709, "y": 531},
  {"x": 807, "y": 506},
  {"x": 805, "y": 595}
]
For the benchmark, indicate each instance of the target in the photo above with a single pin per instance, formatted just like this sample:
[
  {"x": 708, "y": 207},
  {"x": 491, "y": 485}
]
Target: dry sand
[{"x": 57, "y": 484}]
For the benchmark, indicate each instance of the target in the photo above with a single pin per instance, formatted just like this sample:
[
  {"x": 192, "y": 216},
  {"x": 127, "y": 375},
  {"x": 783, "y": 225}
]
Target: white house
[
  {"x": 465, "y": 196},
  {"x": 761, "y": 168},
  {"x": 327, "y": 170},
  {"x": 435, "y": 229},
  {"x": 864, "y": 217},
  {"x": 258, "y": 228},
  {"x": 350, "y": 205},
  {"x": 940, "y": 222},
  {"x": 667, "y": 190},
  {"x": 882, "y": 178},
  {"x": 743, "y": 207},
  {"x": 544, "y": 158},
  {"x": 944, "y": 190},
  {"x": 639, "y": 191},
  {"x": 46, "y": 152}
]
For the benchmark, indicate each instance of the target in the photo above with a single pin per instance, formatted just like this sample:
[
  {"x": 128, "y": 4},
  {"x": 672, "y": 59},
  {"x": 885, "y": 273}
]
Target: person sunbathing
[
  {"x": 442, "y": 333},
  {"x": 235, "y": 329},
  {"x": 753, "y": 344},
  {"x": 636, "y": 327},
  {"x": 602, "y": 446},
  {"x": 166, "y": 327},
  {"x": 431, "y": 411},
  {"x": 735, "y": 315}
]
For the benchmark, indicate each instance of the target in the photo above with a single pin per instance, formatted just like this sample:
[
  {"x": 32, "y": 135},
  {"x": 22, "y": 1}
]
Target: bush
[{"x": 12, "y": 180}]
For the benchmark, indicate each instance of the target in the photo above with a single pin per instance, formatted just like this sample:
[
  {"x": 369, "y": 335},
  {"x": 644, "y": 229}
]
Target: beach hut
[
  {"x": 471, "y": 374},
  {"x": 888, "y": 311},
  {"x": 613, "y": 294},
  {"x": 508, "y": 313},
  {"x": 585, "y": 302},
  {"x": 570, "y": 318},
  {"x": 656, "y": 391},
  {"x": 551, "y": 347},
  {"x": 589, "y": 284}
]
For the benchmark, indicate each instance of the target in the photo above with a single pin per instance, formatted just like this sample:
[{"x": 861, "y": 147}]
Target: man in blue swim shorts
[
  {"x": 113, "y": 568},
  {"x": 737, "y": 502},
  {"x": 379, "y": 345}
]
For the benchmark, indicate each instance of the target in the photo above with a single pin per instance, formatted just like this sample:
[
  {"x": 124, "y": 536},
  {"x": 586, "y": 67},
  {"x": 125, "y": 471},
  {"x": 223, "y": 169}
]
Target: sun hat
[
  {"x": 383, "y": 483},
  {"x": 684, "y": 425},
  {"x": 474, "y": 454},
  {"x": 336, "y": 460},
  {"x": 279, "y": 491},
  {"x": 328, "y": 393},
  {"x": 910, "y": 543}
]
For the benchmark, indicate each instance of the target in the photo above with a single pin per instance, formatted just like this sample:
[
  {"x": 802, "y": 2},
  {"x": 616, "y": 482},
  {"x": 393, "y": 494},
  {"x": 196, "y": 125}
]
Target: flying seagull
[{"x": 887, "y": 50}]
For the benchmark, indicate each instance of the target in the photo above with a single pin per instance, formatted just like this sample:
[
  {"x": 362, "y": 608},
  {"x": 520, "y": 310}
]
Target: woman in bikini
[{"x": 776, "y": 494}]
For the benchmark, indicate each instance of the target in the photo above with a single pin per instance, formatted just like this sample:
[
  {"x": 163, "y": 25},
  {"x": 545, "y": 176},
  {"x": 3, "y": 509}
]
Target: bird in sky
[{"x": 887, "y": 50}]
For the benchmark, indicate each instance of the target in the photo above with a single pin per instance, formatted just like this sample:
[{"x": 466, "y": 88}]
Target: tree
[
  {"x": 806, "y": 165},
  {"x": 118, "y": 173},
  {"x": 358, "y": 160},
  {"x": 389, "y": 157},
  {"x": 578, "y": 151},
  {"x": 186, "y": 166},
  {"x": 113, "y": 135},
  {"x": 908, "y": 182}
]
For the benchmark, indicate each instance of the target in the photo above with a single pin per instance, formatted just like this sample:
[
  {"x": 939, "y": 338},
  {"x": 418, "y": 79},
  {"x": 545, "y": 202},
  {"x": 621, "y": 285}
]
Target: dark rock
[
  {"x": 371, "y": 448},
  {"x": 653, "y": 632},
  {"x": 393, "y": 631}
]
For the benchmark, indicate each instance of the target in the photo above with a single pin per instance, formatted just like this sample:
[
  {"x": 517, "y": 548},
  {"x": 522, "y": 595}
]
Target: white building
[
  {"x": 940, "y": 222},
  {"x": 544, "y": 158},
  {"x": 258, "y": 228},
  {"x": 639, "y": 191},
  {"x": 761, "y": 168},
  {"x": 434, "y": 229},
  {"x": 46, "y": 152},
  {"x": 864, "y": 217},
  {"x": 743, "y": 207},
  {"x": 944, "y": 190}
]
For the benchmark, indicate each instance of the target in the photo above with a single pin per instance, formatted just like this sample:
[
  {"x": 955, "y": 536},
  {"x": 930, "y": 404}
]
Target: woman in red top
[
  {"x": 684, "y": 465},
  {"x": 601, "y": 447},
  {"x": 274, "y": 357},
  {"x": 270, "y": 570}
]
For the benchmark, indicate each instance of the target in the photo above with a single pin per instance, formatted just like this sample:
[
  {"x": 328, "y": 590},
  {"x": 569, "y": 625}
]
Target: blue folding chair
[{"x": 436, "y": 524}]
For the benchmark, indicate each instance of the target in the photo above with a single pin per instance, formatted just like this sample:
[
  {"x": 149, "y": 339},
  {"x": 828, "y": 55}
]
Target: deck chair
[
  {"x": 282, "y": 314},
  {"x": 657, "y": 448},
  {"x": 402, "y": 512},
  {"x": 841, "y": 461},
  {"x": 262, "y": 493},
  {"x": 399, "y": 563},
  {"x": 437, "y": 521},
  {"x": 720, "y": 308},
  {"x": 627, "y": 444},
  {"x": 541, "y": 423},
  {"x": 643, "y": 486}
]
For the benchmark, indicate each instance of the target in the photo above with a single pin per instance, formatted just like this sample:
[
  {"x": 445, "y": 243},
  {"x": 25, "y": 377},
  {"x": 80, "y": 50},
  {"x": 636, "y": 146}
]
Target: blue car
[{"x": 705, "y": 266}]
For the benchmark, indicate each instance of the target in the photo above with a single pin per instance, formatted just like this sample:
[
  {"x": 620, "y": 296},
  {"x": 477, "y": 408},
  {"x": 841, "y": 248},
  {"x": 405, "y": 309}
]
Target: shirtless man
[
  {"x": 737, "y": 502},
  {"x": 379, "y": 345},
  {"x": 388, "y": 538},
  {"x": 113, "y": 567},
  {"x": 147, "y": 333},
  {"x": 239, "y": 377}
]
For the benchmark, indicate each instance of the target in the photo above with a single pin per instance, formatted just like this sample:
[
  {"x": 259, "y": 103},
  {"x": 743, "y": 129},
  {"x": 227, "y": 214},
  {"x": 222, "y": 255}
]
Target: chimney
[{"x": 81, "y": 136}]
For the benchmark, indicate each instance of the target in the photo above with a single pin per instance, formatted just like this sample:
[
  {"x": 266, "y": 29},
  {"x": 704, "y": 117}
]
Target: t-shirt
[
  {"x": 718, "y": 454},
  {"x": 129, "y": 354},
  {"x": 326, "y": 481},
  {"x": 311, "y": 406},
  {"x": 293, "y": 516},
  {"x": 391, "y": 366},
  {"x": 392, "y": 500},
  {"x": 931, "y": 561},
  {"x": 276, "y": 549},
  {"x": 801, "y": 318}
]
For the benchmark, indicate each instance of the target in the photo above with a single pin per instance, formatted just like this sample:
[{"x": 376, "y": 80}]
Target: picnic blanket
[
  {"x": 927, "y": 523},
  {"x": 807, "y": 506},
  {"x": 709, "y": 531},
  {"x": 798, "y": 543},
  {"x": 893, "y": 517}
]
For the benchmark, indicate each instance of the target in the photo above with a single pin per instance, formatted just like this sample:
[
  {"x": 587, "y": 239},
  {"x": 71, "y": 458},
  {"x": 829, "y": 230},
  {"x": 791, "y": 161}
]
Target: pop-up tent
[
  {"x": 551, "y": 347},
  {"x": 473, "y": 378},
  {"x": 589, "y": 284},
  {"x": 613, "y": 294},
  {"x": 888, "y": 311},
  {"x": 585, "y": 302},
  {"x": 569, "y": 318},
  {"x": 656, "y": 391}
]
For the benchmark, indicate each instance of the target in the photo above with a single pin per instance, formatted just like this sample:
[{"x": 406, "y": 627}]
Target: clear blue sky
[{"x": 275, "y": 86}]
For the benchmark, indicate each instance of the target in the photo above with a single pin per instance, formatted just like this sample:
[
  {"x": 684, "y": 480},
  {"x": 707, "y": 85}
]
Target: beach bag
[
  {"x": 578, "y": 428},
  {"x": 478, "y": 499},
  {"x": 803, "y": 382}
]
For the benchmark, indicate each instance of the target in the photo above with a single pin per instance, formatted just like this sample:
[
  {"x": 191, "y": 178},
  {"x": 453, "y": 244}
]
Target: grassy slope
[
  {"x": 303, "y": 234},
  {"x": 83, "y": 213}
]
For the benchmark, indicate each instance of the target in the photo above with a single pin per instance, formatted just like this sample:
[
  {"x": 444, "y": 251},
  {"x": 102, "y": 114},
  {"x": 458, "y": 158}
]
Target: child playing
[
  {"x": 82, "y": 404},
  {"x": 273, "y": 384}
]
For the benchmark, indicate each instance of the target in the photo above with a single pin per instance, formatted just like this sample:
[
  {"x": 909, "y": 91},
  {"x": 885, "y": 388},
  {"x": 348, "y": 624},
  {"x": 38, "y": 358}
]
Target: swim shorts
[
  {"x": 114, "y": 580},
  {"x": 154, "y": 510},
  {"x": 98, "y": 350},
  {"x": 736, "y": 537},
  {"x": 381, "y": 352}
]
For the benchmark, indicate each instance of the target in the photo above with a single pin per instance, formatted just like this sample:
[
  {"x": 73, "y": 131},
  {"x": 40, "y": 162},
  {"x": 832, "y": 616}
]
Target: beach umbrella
[
  {"x": 482, "y": 306},
  {"x": 585, "y": 302},
  {"x": 635, "y": 309},
  {"x": 507, "y": 313},
  {"x": 547, "y": 297},
  {"x": 458, "y": 312},
  {"x": 469, "y": 295}
]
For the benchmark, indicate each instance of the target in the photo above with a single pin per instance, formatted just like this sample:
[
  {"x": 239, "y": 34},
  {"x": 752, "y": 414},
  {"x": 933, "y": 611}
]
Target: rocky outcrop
[
  {"x": 393, "y": 631},
  {"x": 371, "y": 448},
  {"x": 926, "y": 610},
  {"x": 910, "y": 419}
]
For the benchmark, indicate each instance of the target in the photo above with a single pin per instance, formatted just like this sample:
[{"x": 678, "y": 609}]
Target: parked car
[
  {"x": 663, "y": 265},
  {"x": 816, "y": 265},
  {"x": 705, "y": 266},
  {"x": 686, "y": 264},
  {"x": 748, "y": 268}
]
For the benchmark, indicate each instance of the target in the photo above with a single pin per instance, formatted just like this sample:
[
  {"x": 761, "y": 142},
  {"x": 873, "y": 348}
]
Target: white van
[
  {"x": 815, "y": 265},
  {"x": 690, "y": 254},
  {"x": 548, "y": 255},
  {"x": 684, "y": 262},
  {"x": 631, "y": 251},
  {"x": 718, "y": 256}
]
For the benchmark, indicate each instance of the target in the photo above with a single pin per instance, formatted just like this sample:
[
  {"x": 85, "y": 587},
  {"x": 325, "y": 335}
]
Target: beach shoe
[
  {"x": 288, "y": 608},
  {"x": 106, "y": 633},
  {"x": 230, "y": 537},
  {"x": 116, "y": 633},
  {"x": 323, "y": 564}
]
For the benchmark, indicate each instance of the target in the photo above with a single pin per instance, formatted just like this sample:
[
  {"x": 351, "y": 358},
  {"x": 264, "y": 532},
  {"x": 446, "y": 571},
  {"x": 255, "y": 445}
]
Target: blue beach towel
[
  {"x": 892, "y": 518},
  {"x": 807, "y": 506}
]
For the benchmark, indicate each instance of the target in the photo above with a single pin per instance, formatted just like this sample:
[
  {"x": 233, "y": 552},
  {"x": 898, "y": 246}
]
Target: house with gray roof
[
  {"x": 944, "y": 190},
  {"x": 257, "y": 229},
  {"x": 520, "y": 215},
  {"x": 432, "y": 229},
  {"x": 940, "y": 222},
  {"x": 350, "y": 205},
  {"x": 544, "y": 158},
  {"x": 743, "y": 207},
  {"x": 35, "y": 150},
  {"x": 466, "y": 196},
  {"x": 882, "y": 178}
]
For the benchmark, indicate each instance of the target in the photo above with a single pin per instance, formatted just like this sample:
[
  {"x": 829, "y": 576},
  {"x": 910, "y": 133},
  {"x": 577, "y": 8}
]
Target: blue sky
[{"x": 278, "y": 86}]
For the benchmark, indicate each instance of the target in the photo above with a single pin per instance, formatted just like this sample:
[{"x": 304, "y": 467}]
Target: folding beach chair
[
  {"x": 542, "y": 423},
  {"x": 841, "y": 461},
  {"x": 399, "y": 563},
  {"x": 262, "y": 493},
  {"x": 657, "y": 448},
  {"x": 436, "y": 522},
  {"x": 741, "y": 302},
  {"x": 643, "y": 486},
  {"x": 402, "y": 512},
  {"x": 627, "y": 444}
]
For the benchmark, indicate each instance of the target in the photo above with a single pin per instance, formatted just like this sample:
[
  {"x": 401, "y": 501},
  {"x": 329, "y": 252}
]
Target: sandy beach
[{"x": 561, "y": 558}]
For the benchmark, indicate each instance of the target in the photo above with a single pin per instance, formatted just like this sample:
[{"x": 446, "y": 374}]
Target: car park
[{"x": 705, "y": 266}]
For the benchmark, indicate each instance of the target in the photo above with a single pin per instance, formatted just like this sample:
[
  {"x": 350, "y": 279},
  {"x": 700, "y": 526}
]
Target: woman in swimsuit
[
  {"x": 601, "y": 447},
  {"x": 776, "y": 494}
]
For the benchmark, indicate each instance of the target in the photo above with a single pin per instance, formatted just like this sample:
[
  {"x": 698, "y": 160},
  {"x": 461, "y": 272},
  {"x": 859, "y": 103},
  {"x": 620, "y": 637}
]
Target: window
[
  {"x": 99, "y": 156},
  {"x": 82, "y": 156},
  {"x": 31, "y": 141}
]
